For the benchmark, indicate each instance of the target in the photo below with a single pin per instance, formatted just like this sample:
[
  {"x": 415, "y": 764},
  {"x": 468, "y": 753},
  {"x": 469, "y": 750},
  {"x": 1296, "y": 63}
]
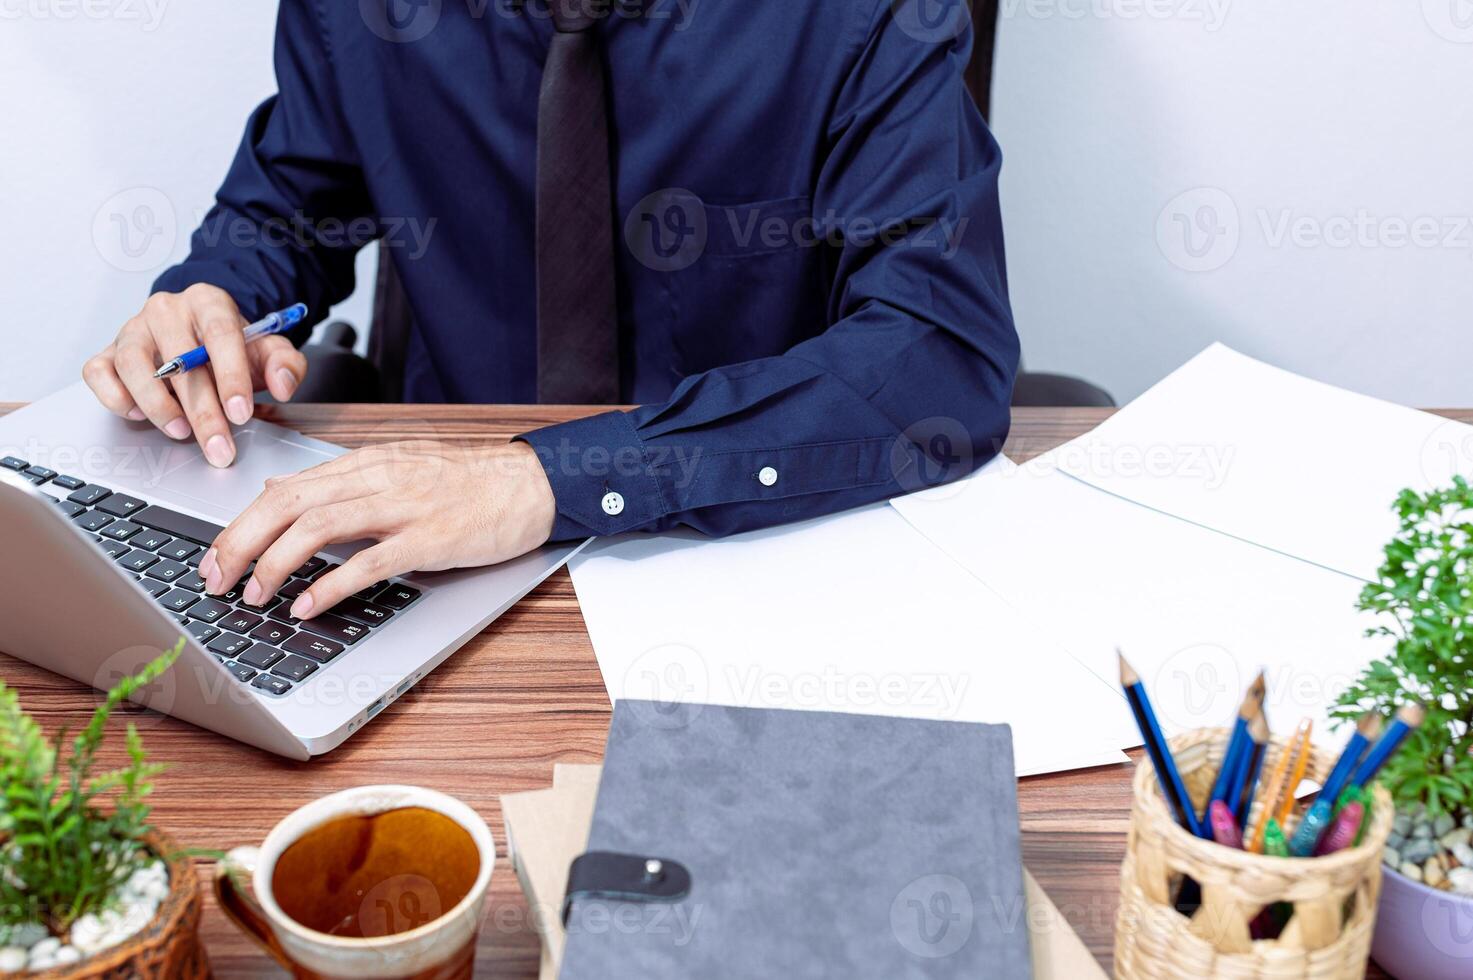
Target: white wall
[
  {"x": 109, "y": 107},
  {"x": 1328, "y": 142},
  {"x": 1118, "y": 119}
]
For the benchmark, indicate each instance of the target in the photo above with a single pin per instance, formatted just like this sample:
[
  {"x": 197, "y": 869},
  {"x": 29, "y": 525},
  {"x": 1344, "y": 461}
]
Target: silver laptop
[{"x": 104, "y": 522}]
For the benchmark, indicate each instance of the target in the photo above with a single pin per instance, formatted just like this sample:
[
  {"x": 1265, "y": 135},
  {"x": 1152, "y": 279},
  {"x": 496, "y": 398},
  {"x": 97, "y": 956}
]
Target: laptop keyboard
[{"x": 262, "y": 646}]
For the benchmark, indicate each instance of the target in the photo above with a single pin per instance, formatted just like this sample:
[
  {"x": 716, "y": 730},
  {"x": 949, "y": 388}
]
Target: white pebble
[
  {"x": 1461, "y": 880},
  {"x": 1410, "y": 870},
  {"x": 12, "y": 959},
  {"x": 91, "y": 933},
  {"x": 1464, "y": 854},
  {"x": 46, "y": 947},
  {"x": 67, "y": 954}
]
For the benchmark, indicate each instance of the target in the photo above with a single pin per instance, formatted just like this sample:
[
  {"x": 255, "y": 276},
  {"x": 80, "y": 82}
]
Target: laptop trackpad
[{"x": 259, "y": 455}]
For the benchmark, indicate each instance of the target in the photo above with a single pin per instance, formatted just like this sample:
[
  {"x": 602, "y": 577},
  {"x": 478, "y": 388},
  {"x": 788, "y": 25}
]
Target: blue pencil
[
  {"x": 1167, "y": 774},
  {"x": 1408, "y": 719},
  {"x": 1252, "y": 703},
  {"x": 1252, "y": 767},
  {"x": 1321, "y": 813}
]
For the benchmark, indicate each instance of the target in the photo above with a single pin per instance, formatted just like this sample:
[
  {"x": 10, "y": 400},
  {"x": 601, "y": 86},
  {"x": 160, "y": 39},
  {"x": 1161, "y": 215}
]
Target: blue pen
[
  {"x": 1167, "y": 774},
  {"x": 266, "y": 326}
]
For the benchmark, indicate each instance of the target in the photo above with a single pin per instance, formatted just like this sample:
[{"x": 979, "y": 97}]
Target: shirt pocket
[{"x": 756, "y": 289}]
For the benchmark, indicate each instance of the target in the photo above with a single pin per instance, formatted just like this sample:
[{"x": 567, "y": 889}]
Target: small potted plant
[
  {"x": 1423, "y": 594},
  {"x": 87, "y": 887}
]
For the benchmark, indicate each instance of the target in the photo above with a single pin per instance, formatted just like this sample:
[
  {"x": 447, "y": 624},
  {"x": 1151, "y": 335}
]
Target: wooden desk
[{"x": 523, "y": 695}]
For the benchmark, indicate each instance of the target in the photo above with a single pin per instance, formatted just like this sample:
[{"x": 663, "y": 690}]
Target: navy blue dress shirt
[{"x": 813, "y": 305}]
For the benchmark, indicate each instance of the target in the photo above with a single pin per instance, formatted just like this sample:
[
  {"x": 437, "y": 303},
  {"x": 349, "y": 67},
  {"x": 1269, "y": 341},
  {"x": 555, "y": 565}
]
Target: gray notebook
[{"x": 818, "y": 844}]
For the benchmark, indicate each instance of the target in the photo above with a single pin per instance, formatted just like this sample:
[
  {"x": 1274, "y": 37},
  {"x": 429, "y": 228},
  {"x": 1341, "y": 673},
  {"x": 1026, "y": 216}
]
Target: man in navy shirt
[{"x": 803, "y": 277}]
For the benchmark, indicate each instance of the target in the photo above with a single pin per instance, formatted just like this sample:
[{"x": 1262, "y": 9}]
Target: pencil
[
  {"x": 1172, "y": 788},
  {"x": 1288, "y": 770},
  {"x": 1408, "y": 719},
  {"x": 1252, "y": 702},
  {"x": 1252, "y": 766},
  {"x": 1320, "y": 813}
]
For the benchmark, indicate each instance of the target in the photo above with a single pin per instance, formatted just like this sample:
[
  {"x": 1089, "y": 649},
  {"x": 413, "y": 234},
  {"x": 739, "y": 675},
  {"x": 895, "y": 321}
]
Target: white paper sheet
[
  {"x": 1271, "y": 457},
  {"x": 1196, "y": 612},
  {"x": 855, "y": 613}
]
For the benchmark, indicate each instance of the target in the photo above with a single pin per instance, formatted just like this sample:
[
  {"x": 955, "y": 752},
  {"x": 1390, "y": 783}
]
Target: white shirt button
[
  {"x": 767, "y": 476},
  {"x": 613, "y": 503}
]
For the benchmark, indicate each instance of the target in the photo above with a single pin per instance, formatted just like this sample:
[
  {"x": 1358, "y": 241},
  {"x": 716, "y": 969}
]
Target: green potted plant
[
  {"x": 88, "y": 888},
  {"x": 1423, "y": 595}
]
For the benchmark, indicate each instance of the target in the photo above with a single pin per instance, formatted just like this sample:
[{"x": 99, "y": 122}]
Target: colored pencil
[
  {"x": 1169, "y": 777},
  {"x": 1252, "y": 703},
  {"x": 1321, "y": 812},
  {"x": 1252, "y": 767},
  {"x": 1288, "y": 771},
  {"x": 1224, "y": 827},
  {"x": 1407, "y": 720}
]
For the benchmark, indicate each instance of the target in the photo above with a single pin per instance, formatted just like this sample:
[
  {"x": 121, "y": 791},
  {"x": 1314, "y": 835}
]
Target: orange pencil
[{"x": 1288, "y": 771}]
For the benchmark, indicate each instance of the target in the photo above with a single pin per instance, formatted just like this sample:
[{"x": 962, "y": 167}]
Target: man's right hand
[{"x": 201, "y": 401}]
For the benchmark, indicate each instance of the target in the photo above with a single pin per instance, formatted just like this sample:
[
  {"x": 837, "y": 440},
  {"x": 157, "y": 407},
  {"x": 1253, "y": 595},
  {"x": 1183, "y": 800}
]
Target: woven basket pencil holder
[{"x": 1333, "y": 897}]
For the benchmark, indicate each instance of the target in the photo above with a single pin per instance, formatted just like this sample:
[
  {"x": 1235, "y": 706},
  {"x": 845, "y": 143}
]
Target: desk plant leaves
[
  {"x": 66, "y": 850},
  {"x": 1423, "y": 594}
]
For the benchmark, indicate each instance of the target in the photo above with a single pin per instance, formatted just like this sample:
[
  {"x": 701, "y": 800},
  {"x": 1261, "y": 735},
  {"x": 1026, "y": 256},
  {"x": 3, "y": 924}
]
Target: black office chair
[{"x": 336, "y": 374}]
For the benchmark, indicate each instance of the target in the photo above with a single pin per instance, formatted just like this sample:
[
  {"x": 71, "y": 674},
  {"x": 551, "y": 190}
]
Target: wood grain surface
[{"x": 523, "y": 695}]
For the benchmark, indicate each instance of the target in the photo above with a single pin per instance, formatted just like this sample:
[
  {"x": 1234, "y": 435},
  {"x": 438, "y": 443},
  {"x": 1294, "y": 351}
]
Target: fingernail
[
  {"x": 252, "y": 594},
  {"x": 207, "y": 565},
  {"x": 239, "y": 410},
  {"x": 136, "y": 414},
  {"x": 177, "y": 429},
  {"x": 302, "y": 608},
  {"x": 218, "y": 452},
  {"x": 287, "y": 380}
]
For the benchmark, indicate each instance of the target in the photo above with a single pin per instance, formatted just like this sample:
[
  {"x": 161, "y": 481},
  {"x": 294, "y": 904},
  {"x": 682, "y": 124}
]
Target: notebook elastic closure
[{"x": 624, "y": 878}]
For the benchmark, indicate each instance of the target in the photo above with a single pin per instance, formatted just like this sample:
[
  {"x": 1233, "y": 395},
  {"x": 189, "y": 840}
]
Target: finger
[
  {"x": 260, "y": 524},
  {"x": 102, "y": 377},
  {"x": 386, "y": 559},
  {"x": 345, "y": 520},
  {"x": 221, "y": 327},
  {"x": 136, "y": 361},
  {"x": 196, "y": 392},
  {"x": 279, "y": 365}
]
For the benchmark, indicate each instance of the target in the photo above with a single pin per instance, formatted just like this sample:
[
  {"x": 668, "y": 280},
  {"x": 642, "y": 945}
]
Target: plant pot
[
  {"x": 168, "y": 948},
  {"x": 1422, "y": 933}
]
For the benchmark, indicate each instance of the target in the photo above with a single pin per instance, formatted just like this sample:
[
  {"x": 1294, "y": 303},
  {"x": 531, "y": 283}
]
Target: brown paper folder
[{"x": 547, "y": 828}]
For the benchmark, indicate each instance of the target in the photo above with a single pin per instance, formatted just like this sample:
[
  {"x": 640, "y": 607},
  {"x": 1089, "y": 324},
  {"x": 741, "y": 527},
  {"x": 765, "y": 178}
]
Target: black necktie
[{"x": 577, "y": 326}]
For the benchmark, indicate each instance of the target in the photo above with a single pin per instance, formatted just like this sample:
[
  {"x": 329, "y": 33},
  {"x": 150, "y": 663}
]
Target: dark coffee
[{"x": 378, "y": 875}]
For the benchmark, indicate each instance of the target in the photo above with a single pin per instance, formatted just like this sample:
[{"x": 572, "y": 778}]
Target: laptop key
[
  {"x": 151, "y": 540},
  {"x": 326, "y": 567},
  {"x": 311, "y": 567},
  {"x": 153, "y": 588},
  {"x": 293, "y": 588},
  {"x": 229, "y": 644},
  {"x": 179, "y": 550},
  {"x": 371, "y": 591},
  {"x": 336, "y": 628},
  {"x": 241, "y": 671},
  {"x": 177, "y": 600},
  {"x": 41, "y": 473},
  {"x": 177, "y": 524},
  {"x": 89, "y": 494},
  {"x": 294, "y": 668},
  {"x": 234, "y": 593},
  {"x": 271, "y": 603},
  {"x": 191, "y": 581},
  {"x": 69, "y": 482},
  {"x": 259, "y": 655},
  {"x": 209, "y": 610},
  {"x": 121, "y": 530},
  {"x": 239, "y": 621},
  {"x": 397, "y": 595},
  {"x": 13, "y": 463},
  {"x": 167, "y": 571},
  {"x": 283, "y": 614},
  {"x": 203, "y": 632},
  {"x": 70, "y": 509},
  {"x": 319, "y": 649},
  {"x": 115, "y": 549},
  {"x": 367, "y": 613},
  {"x": 121, "y": 505},
  {"x": 272, "y": 685},
  {"x": 270, "y": 632},
  {"x": 137, "y": 561},
  {"x": 92, "y": 521}
]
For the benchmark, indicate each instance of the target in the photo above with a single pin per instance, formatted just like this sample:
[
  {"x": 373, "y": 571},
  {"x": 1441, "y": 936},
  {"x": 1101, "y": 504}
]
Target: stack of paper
[
  {"x": 853, "y": 613},
  {"x": 546, "y": 829}
]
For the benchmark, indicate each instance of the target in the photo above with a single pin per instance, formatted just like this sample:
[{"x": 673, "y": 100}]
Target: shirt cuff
[{"x": 602, "y": 476}]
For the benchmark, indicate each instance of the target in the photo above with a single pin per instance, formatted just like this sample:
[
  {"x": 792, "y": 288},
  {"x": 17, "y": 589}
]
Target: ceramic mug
[{"x": 442, "y": 948}]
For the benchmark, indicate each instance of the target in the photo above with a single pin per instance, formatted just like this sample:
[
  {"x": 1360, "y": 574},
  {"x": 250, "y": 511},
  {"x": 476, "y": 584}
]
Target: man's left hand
[{"x": 428, "y": 505}]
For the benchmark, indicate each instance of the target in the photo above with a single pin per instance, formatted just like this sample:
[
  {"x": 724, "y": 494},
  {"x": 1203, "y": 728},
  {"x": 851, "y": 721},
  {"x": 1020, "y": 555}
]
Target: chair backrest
[{"x": 388, "y": 336}]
